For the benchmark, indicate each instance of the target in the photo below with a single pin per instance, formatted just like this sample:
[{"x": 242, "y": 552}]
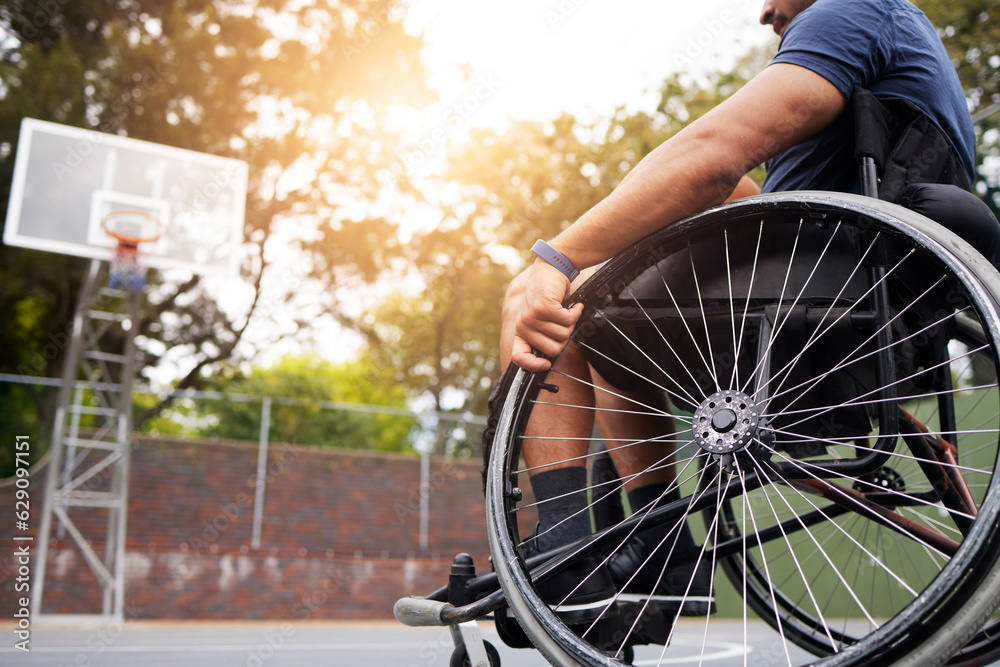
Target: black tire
[{"x": 913, "y": 556}]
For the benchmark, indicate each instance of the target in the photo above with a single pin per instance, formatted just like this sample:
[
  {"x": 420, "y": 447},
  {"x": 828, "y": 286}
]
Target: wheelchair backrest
[{"x": 905, "y": 145}]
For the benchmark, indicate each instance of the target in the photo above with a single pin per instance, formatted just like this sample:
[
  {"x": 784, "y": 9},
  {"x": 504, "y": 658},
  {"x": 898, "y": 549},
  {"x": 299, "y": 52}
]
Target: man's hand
[
  {"x": 540, "y": 322},
  {"x": 533, "y": 316}
]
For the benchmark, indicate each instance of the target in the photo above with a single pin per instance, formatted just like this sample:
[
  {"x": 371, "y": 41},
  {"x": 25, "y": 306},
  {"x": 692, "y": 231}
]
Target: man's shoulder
[
  {"x": 827, "y": 21},
  {"x": 860, "y": 33},
  {"x": 872, "y": 12}
]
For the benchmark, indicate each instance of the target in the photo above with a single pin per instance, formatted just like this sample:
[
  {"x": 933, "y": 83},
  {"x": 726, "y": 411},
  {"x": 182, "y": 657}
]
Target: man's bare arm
[
  {"x": 694, "y": 170},
  {"x": 701, "y": 165}
]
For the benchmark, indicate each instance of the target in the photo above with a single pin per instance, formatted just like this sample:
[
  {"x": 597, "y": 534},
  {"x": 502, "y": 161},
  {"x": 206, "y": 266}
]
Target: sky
[{"x": 542, "y": 57}]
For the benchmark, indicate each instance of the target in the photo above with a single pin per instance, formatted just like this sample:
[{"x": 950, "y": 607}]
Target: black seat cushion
[{"x": 959, "y": 211}]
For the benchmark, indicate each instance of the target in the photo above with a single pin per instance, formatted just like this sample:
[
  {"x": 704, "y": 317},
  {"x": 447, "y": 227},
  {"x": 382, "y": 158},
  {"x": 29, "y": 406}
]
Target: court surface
[
  {"x": 329, "y": 644},
  {"x": 332, "y": 644}
]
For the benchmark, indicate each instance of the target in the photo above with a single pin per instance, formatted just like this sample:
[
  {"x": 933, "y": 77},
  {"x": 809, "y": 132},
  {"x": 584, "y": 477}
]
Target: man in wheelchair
[
  {"x": 854, "y": 82},
  {"x": 812, "y": 371}
]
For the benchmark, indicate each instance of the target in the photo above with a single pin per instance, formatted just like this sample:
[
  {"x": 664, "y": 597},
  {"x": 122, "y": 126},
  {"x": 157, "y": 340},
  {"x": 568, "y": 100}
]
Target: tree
[
  {"x": 533, "y": 179},
  {"x": 299, "y": 89},
  {"x": 971, "y": 32},
  {"x": 442, "y": 337},
  {"x": 972, "y": 37},
  {"x": 515, "y": 185},
  {"x": 300, "y": 388}
]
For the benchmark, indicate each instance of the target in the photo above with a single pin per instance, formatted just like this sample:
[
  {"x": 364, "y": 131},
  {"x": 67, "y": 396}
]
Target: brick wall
[{"x": 339, "y": 537}]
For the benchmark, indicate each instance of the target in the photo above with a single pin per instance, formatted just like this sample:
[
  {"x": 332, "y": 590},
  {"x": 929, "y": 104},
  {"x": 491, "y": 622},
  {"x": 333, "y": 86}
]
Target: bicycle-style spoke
[
  {"x": 704, "y": 490},
  {"x": 616, "y": 486},
  {"x": 776, "y": 332},
  {"x": 669, "y": 438},
  {"x": 843, "y": 496},
  {"x": 812, "y": 410},
  {"x": 687, "y": 399},
  {"x": 819, "y": 332},
  {"x": 768, "y": 576},
  {"x": 704, "y": 321},
  {"x": 856, "y": 400},
  {"x": 864, "y": 549},
  {"x": 781, "y": 298},
  {"x": 792, "y": 553},
  {"x": 609, "y": 392},
  {"x": 687, "y": 328},
  {"x": 851, "y": 359},
  {"x": 746, "y": 305},
  {"x": 732, "y": 307}
]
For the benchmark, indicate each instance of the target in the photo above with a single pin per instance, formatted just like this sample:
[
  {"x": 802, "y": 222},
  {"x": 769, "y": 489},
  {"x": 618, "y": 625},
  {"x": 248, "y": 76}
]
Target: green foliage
[
  {"x": 22, "y": 416},
  {"x": 971, "y": 32},
  {"x": 299, "y": 388},
  {"x": 36, "y": 292},
  {"x": 302, "y": 89},
  {"x": 444, "y": 335},
  {"x": 297, "y": 88},
  {"x": 291, "y": 87},
  {"x": 177, "y": 421},
  {"x": 439, "y": 330}
]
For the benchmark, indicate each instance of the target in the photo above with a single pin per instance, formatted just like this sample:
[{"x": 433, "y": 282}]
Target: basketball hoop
[{"x": 130, "y": 228}]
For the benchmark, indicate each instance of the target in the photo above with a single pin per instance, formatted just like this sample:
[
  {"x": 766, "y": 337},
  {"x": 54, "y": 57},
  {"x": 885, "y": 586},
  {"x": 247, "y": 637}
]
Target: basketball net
[
  {"x": 125, "y": 271},
  {"x": 129, "y": 229}
]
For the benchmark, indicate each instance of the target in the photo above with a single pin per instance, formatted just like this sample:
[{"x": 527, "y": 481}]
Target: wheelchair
[{"x": 831, "y": 363}]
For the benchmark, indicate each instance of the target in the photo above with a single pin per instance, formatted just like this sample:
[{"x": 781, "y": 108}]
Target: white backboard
[{"x": 67, "y": 180}]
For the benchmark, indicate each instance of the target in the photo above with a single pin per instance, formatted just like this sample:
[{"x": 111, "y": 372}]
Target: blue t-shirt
[{"x": 886, "y": 46}]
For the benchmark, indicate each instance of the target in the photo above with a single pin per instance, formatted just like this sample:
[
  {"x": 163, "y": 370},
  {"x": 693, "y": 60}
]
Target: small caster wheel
[{"x": 460, "y": 658}]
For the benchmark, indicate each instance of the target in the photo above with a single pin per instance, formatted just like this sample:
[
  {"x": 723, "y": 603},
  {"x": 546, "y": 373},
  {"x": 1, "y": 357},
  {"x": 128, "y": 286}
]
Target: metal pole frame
[{"x": 110, "y": 445}]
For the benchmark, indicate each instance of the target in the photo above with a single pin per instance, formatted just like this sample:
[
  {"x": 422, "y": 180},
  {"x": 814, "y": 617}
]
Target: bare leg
[
  {"x": 556, "y": 439},
  {"x": 559, "y": 430},
  {"x": 629, "y": 422},
  {"x": 557, "y": 434}
]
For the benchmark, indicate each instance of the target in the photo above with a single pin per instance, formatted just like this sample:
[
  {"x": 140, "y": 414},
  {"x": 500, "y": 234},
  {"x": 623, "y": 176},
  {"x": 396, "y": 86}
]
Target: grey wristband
[{"x": 550, "y": 255}]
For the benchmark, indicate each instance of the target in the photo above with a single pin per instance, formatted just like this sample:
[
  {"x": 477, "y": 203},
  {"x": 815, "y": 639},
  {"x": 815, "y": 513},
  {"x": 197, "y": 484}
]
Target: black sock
[{"x": 562, "y": 506}]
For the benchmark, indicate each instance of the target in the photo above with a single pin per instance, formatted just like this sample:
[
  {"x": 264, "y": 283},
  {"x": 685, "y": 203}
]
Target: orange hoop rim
[{"x": 129, "y": 241}]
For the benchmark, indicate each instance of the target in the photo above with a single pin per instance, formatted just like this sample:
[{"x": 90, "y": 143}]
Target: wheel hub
[{"x": 725, "y": 422}]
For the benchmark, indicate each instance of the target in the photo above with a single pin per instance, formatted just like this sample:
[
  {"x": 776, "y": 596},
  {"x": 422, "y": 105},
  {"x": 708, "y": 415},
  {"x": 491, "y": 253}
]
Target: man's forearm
[{"x": 672, "y": 182}]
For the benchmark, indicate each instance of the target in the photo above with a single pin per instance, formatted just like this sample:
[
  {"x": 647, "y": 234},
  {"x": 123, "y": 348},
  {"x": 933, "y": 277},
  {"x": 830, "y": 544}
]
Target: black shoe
[
  {"x": 582, "y": 592},
  {"x": 579, "y": 593},
  {"x": 684, "y": 589}
]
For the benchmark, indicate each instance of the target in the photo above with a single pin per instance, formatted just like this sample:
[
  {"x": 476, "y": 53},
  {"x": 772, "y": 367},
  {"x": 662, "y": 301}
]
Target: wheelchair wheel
[{"x": 831, "y": 366}]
